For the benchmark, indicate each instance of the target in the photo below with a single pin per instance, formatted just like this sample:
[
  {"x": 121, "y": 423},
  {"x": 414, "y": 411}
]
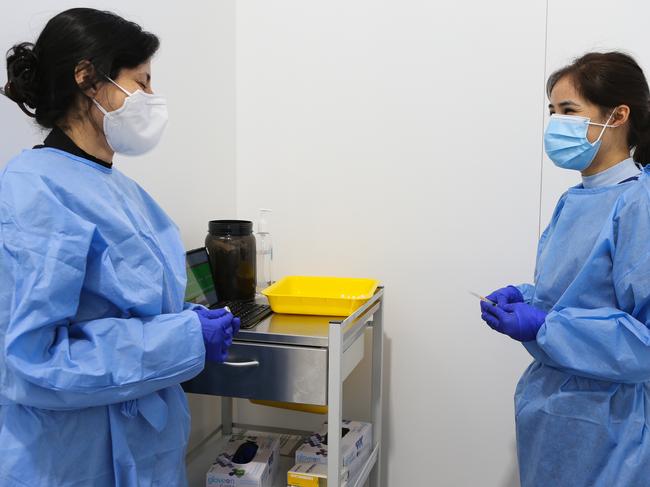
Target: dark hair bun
[{"x": 22, "y": 64}]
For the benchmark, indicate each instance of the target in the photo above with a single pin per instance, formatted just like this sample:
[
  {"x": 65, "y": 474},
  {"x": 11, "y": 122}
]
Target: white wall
[
  {"x": 192, "y": 173},
  {"x": 620, "y": 28},
  {"x": 402, "y": 140}
]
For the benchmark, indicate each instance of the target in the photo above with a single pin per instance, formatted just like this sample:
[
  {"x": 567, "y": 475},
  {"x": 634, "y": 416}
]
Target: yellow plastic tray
[{"x": 321, "y": 296}]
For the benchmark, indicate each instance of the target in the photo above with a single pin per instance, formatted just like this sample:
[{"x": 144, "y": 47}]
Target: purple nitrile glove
[
  {"x": 218, "y": 328},
  {"x": 506, "y": 295},
  {"x": 519, "y": 321}
]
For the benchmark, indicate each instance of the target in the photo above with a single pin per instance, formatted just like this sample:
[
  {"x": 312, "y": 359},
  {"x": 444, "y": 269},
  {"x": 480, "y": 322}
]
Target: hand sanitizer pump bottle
[{"x": 264, "y": 251}]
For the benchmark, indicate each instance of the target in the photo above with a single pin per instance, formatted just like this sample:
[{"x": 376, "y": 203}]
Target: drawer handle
[{"x": 253, "y": 363}]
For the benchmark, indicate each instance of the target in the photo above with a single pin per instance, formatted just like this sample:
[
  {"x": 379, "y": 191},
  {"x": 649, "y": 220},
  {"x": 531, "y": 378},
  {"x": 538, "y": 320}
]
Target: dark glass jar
[{"x": 231, "y": 247}]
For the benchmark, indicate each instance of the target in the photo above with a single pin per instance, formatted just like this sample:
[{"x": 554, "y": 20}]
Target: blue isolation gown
[
  {"x": 583, "y": 406},
  {"x": 94, "y": 334}
]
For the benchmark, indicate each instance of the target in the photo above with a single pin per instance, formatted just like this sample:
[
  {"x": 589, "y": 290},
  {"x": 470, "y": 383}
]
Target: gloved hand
[
  {"x": 520, "y": 321},
  {"x": 218, "y": 328},
  {"x": 506, "y": 295}
]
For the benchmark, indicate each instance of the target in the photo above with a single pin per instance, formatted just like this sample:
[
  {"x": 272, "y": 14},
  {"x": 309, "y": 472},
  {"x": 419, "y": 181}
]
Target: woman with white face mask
[
  {"x": 583, "y": 406},
  {"x": 95, "y": 337}
]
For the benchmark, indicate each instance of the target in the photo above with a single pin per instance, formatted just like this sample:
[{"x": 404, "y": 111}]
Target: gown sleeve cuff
[
  {"x": 193, "y": 307},
  {"x": 527, "y": 291}
]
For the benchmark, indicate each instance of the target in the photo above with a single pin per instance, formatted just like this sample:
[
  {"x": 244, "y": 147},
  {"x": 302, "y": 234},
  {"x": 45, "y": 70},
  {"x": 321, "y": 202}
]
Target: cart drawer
[{"x": 267, "y": 372}]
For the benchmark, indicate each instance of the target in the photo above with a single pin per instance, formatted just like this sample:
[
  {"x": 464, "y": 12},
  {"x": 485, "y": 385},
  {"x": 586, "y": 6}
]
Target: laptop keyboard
[{"x": 249, "y": 313}]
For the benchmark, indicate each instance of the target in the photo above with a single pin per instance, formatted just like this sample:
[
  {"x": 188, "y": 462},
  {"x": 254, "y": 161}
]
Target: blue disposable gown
[
  {"x": 94, "y": 335},
  {"x": 583, "y": 406}
]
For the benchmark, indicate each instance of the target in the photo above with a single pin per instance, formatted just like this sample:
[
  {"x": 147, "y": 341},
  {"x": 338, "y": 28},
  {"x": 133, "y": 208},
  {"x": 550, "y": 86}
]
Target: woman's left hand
[{"x": 519, "y": 321}]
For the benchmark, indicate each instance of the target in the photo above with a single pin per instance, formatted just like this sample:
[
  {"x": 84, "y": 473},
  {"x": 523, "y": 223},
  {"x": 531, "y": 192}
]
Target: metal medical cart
[{"x": 305, "y": 360}]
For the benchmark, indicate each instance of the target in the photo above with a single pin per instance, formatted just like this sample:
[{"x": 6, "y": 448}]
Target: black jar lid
[{"x": 237, "y": 228}]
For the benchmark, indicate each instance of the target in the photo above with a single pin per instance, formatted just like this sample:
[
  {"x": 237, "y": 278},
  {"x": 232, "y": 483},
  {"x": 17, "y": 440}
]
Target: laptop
[{"x": 201, "y": 290}]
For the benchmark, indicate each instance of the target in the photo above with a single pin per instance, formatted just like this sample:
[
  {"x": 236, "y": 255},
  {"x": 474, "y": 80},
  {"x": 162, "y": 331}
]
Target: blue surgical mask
[{"x": 566, "y": 143}]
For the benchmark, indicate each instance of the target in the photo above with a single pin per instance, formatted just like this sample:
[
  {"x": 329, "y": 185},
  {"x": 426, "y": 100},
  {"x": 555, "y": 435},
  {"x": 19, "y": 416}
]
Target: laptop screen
[{"x": 200, "y": 285}]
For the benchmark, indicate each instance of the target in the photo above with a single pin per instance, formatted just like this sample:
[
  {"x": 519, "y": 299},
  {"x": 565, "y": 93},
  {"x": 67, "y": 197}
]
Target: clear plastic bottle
[{"x": 264, "y": 251}]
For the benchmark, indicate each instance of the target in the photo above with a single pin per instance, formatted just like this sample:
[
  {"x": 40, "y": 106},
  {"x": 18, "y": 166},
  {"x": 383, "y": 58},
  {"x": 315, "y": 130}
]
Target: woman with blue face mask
[
  {"x": 583, "y": 406},
  {"x": 95, "y": 337}
]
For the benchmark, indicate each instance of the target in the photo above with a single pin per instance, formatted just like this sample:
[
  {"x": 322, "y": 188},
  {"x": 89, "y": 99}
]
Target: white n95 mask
[{"x": 137, "y": 126}]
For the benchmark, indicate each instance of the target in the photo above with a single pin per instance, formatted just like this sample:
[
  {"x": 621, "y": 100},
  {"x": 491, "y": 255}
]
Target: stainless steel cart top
[{"x": 307, "y": 331}]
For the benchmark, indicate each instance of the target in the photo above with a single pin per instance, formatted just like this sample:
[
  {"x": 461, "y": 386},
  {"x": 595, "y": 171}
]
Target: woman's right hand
[{"x": 218, "y": 326}]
